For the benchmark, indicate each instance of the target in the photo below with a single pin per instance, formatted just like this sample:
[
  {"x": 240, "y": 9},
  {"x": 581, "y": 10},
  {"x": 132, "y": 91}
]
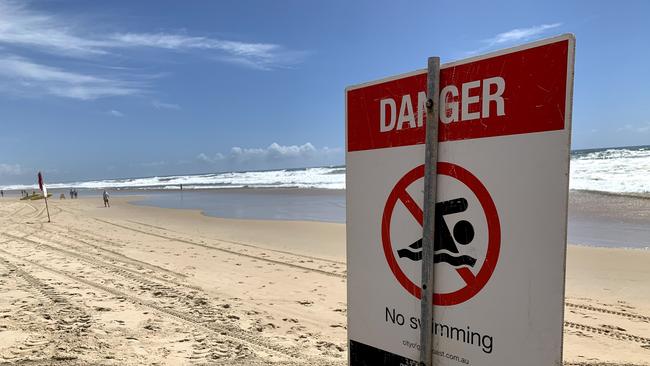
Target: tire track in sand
[
  {"x": 261, "y": 258},
  {"x": 70, "y": 324},
  {"x": 607, "y": 332},
  {"x": 607, "y": 311},
  {"x": 110, "y": 254},
  {"x": 247, "y": 245},
  {"x": 236, "y": 335}
]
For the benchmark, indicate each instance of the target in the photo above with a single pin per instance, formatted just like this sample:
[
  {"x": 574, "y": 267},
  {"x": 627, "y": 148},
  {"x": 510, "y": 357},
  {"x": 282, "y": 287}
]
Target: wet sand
[
  {"x": 610, "y": 220},
  {"x": 135, "y": 285}
]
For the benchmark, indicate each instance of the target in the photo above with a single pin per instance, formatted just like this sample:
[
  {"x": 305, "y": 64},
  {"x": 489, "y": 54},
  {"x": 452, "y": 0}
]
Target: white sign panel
[{"x": 500, "y": 243}]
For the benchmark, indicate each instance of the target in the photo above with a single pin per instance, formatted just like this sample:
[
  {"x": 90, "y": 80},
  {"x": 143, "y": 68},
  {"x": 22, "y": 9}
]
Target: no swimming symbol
[
  {"x": 445, "y": 249},
  {"x": 444, "y": 241}
]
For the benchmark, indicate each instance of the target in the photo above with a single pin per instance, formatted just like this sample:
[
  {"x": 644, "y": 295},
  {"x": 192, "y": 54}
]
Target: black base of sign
[{"x": 365, "y": 355}]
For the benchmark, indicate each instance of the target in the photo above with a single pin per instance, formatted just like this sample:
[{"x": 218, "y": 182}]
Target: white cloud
[
  {"x": 23, "y": 27},
  {"x": 275, "y": 153},
  {"x": 521, "y": 34},
  {"x": 263, "y": 56},
  {"x": 515, "y": 35},
  {"x": 160, "y": 105},
  {"x": 10, "y": 169},
  {"x": 116, "y": 113},
  {"x": 23, "y": 74},
  {"x": 210, "y": 159},
  {"x": 184, "y": 42}
]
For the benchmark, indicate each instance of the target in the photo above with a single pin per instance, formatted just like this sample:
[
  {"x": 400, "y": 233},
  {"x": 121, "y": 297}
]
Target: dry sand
[{"x": 134, "y": 285}]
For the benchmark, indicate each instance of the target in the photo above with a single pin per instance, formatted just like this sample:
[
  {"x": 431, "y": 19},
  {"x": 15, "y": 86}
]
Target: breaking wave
[
  {"x": 616, "y": 170},
  {"x": 321, "y": 177}
]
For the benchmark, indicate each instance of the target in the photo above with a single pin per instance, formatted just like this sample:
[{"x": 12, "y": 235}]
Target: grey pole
[
  {"x": 428, "y": 227},
  {"x": 48, "y": 209}
]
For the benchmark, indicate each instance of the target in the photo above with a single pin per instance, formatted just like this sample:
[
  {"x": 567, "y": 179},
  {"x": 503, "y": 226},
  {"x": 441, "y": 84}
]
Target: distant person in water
[
  {"x": 2, "y": 193},
  {"x": 106, "y": 203}
]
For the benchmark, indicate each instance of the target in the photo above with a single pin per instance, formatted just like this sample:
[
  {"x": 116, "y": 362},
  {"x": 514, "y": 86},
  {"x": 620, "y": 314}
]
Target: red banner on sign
[{"x": 515, "y": 93}]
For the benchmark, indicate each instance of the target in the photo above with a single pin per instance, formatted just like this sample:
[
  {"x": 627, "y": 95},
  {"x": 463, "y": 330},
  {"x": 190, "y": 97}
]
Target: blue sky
[{"x": 103, "y": 89}]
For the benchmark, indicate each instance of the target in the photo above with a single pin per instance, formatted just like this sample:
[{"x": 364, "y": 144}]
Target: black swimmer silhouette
[{"x": 463, "y": 233}]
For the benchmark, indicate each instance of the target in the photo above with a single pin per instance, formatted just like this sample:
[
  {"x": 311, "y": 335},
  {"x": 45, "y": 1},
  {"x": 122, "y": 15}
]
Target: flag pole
[{"x": 46, "y": 207}]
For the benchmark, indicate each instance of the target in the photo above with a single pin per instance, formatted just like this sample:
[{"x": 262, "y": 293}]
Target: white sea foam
[
  {"x": 624, "y": 170},
  {"x": 323, "y": 177},
  {"x": 618, "y": 170}
]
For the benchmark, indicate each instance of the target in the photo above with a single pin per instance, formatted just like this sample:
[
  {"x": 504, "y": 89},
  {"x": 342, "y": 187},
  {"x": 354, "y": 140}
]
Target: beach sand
[{"x": 136, "y": 285}]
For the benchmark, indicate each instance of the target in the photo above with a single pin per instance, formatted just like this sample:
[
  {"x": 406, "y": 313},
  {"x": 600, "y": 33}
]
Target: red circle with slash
[{"x": 473, "y": 283}]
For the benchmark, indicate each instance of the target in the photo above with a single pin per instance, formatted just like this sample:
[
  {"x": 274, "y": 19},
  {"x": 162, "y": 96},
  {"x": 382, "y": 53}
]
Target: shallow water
[
  {"x": 615, "y": 226},
  {"x": 262, "y": 204}
]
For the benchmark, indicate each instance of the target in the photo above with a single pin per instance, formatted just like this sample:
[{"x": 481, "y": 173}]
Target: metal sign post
[{"x": 428, "y": 227}]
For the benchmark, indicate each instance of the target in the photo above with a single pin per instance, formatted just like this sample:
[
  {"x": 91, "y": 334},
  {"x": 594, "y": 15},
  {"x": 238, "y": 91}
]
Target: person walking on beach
[
  {"x": 2, "y": 193},
  {"x": 106, "y": 203}
]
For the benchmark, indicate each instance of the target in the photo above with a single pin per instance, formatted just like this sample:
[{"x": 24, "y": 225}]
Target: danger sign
[{"x": 500, "y": 224}]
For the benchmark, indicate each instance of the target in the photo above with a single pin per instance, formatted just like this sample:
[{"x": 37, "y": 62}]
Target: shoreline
[
  {"x": 16, "y": 192},
  {"x": 595, "y": 219},
  {"x": 242, "y": 230}
]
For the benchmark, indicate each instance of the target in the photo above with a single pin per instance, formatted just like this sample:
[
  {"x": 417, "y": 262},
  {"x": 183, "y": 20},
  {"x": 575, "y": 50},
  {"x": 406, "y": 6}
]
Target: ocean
[
  {"x": 318, "y": 193},
  {"x": 332, "y": 177},
  {"x": 612, "y": 170}
]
